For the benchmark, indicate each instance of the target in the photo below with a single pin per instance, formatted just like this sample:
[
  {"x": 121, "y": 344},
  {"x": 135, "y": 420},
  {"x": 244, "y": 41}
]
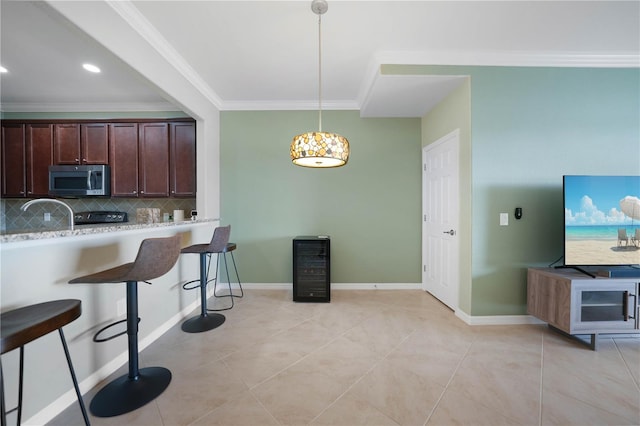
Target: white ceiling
[{"x": 264, "y": 54}]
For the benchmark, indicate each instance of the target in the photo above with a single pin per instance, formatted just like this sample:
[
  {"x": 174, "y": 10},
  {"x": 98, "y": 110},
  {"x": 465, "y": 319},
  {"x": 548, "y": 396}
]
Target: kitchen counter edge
[{"x": 94, "y": 229}]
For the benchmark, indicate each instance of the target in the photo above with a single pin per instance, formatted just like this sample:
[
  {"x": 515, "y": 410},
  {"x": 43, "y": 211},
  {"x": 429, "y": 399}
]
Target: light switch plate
[{"x": 504, "y": 219}]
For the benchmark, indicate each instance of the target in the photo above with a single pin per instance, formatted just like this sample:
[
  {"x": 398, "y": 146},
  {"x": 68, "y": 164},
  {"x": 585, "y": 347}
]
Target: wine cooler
[{"x": 311, "y": 269}]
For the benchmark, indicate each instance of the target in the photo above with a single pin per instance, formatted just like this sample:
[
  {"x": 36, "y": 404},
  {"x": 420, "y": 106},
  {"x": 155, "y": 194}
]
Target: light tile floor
[{"x": 380, "y": 358}]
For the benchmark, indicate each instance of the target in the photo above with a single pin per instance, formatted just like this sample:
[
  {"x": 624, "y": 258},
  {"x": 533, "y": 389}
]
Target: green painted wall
[
  {"x": 529, "y": 127},
  {"x": 370, "y": 208}
]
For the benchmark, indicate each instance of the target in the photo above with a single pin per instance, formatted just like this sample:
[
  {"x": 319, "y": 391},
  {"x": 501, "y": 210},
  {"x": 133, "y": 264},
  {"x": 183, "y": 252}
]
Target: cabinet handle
[
  {"x": 625, "y": 305},
  {"x": 633, "y": 307},
  {"x": 77, "y": 161}
]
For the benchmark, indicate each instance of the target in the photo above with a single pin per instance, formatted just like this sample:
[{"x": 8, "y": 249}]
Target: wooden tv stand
[{"x": 576, "y": 304}]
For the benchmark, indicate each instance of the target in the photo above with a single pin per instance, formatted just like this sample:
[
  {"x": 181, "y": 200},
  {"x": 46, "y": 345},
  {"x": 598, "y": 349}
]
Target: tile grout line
[
  {"x": 294, "y": 363},
  {"x": 309, "y": 319},
  {"x": 624, "y": 361},
  {"x": 595, "y": 405},
  {"x": 455, "y": 371},
  {"x": 251, "y": 388},
  {"x": 375, "y": 364}
]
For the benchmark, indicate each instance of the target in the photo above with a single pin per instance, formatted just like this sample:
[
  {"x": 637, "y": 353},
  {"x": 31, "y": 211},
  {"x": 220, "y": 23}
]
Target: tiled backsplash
[{"x": 13, "y": 219}]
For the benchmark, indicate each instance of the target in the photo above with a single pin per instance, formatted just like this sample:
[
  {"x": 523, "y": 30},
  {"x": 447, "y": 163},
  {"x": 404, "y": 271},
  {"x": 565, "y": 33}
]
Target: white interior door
[{"x": 440, "y": 208}]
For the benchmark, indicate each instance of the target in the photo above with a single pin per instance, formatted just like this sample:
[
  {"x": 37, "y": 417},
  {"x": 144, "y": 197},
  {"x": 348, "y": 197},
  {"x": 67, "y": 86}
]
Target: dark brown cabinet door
[
  {"x": 183, "y": 159},
  {"x": 14, "y": 183},
  {"x": 66, "y": 145},
  {"x": 123, "y": 153},
  {"x": 81, "y": 143},
  {"x": 153, "y": 145},
  {"x": 95, "y": 143},
  {"x": 39, "y": 151}
]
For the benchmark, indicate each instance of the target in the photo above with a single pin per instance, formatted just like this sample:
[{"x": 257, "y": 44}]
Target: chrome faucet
[{"x": 26, "y": 205}]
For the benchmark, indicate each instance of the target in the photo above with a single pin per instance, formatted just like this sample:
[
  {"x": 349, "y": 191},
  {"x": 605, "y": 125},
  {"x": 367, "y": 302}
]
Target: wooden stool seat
[{"x": 24, "y": 325}]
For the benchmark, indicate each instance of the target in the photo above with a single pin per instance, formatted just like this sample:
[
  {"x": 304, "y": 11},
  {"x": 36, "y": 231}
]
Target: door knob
[{"x": 451, "y": 232}]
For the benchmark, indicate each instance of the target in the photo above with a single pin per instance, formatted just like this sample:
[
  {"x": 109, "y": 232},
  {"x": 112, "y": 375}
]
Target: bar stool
[
  {"x": 23, "y": 325},
  {"x": 219, "y": 245},
  {"x": 229, "y": 248},
  {"x": 155, "y": 258}
]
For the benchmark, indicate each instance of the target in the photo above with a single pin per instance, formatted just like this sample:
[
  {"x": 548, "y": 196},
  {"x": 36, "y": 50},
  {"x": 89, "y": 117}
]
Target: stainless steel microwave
[{"x": 79, "y": 181}]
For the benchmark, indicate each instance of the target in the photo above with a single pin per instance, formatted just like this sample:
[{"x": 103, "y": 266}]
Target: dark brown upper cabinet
[
  {"x": 148, "y": 158},
  {"x": 81, "y": 143},
  {"x": 123, "y": 153},
  {"x": 182, "y": 167},
  {"x": 27, "y": 153},
  {"x": 153, "y": 160}
]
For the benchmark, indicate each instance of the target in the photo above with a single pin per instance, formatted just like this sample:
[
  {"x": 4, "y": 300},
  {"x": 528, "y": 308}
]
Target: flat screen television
[{"x": 601, "y": 221}]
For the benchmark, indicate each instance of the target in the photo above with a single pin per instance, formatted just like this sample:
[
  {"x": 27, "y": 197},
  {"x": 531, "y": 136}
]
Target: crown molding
[
  {"x": 491, "y": 58},
  {"x": 142, "y": 26},
  {"x": 510, "y": 58},
  {"x": 287, "y": 105},
  {"x": 85, "y": 107}
]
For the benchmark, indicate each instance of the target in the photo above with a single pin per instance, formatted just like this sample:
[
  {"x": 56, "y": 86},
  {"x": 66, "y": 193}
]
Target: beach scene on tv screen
[{"x": 602, "y": 220}]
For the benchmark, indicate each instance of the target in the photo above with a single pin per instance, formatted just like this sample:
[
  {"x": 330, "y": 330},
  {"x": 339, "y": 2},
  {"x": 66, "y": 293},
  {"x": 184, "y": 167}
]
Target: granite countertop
[{"x": 28, "y": 235}]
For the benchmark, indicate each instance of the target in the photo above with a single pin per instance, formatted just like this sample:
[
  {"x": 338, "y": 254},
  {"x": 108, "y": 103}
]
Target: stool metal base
[
  {"x": 203, "y": 323},
  {"x": 124, "y": 394}
]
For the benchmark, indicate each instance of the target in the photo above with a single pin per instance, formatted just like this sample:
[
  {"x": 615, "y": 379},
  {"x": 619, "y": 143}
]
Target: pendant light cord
[{"x": 320, "y": 73}]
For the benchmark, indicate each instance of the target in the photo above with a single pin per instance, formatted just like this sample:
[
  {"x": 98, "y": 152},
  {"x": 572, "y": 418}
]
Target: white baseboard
[
  {"x": 497, "y": 319},
  {"x": 338, "y": 286},
  {"x": 376, "y": 286}
]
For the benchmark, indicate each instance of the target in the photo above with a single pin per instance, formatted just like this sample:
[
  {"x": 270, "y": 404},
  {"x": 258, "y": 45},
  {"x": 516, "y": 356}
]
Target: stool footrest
[
  {"x": 184, "y": 286},
  {"x": 105, "y": 328}
]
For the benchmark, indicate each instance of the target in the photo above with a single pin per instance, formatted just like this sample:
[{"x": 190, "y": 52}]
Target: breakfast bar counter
[
  {"x": 37, "y": 267},
  {"x": 31, "y": 234}
]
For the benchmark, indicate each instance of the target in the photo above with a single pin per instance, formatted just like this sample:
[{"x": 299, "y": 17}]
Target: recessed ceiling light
[
  {"x": 91, "y": 68},
  {"x": 3, "y": 69}
]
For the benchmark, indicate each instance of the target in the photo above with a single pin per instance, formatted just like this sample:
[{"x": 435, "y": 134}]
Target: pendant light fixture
[{"x": 319, "y": 149}]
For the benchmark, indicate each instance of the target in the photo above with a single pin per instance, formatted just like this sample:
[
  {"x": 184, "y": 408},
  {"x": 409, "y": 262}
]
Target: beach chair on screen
[
  {"x": 635, "y": 239},
  {"x": 622, "y": 237}
]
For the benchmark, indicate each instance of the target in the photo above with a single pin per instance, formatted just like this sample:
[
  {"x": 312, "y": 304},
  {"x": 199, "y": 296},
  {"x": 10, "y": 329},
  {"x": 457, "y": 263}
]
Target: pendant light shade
[{"x": 319, "y": 149}]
